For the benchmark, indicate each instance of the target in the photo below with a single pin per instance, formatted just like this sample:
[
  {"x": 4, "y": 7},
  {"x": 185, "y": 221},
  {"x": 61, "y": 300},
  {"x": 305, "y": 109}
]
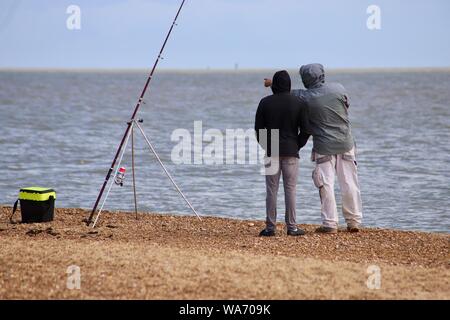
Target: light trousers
[{"x": 343, "y": 166}]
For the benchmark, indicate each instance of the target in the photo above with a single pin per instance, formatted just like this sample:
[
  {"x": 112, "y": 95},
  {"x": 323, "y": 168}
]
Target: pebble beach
[{"x": 155, "y": 256}]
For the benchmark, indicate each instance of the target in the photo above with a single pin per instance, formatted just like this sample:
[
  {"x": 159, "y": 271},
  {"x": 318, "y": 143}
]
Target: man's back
[
  {"x": 284, "y": 112},
  {"x": 327, "y": 105}
]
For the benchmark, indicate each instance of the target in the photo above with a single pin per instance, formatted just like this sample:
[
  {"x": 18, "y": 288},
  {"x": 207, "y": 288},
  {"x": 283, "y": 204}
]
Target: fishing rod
[{"x": 136, "y": 109}]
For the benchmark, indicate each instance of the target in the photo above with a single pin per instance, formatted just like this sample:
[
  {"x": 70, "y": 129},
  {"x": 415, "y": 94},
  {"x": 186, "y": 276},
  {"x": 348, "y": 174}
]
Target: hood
[
  {"x": 313, "y": 75},
  {"x": 281, "y": 82}
]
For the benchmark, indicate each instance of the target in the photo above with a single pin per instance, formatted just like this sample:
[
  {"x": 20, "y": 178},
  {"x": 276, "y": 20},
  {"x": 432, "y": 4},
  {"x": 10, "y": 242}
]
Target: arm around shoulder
[
  {"x": 259, "y": 119},
  {"x": 303, "y": 124}
]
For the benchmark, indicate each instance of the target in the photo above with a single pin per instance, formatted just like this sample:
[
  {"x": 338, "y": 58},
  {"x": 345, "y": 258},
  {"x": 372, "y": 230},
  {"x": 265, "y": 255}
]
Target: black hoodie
[{"x": 285, "y": 112}]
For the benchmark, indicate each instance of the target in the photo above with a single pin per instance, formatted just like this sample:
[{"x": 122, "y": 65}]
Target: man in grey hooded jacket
[{"x": 334, "y": 148}]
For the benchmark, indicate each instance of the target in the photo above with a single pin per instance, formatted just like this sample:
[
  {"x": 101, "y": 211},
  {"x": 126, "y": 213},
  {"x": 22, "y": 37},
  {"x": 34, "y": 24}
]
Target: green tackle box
[{"x": 36, "y": 204}]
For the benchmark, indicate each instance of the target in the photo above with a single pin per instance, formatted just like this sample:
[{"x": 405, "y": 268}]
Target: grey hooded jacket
[{"x": 327, "y": 105}]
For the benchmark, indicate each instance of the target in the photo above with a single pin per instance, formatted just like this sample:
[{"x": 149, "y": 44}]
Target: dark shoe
[
  {"x": 267, "y": 233},
  {"x": 353, "y": 228},
  {"x": 327, "y": 230},
  {"x": 295, "y": 233}
]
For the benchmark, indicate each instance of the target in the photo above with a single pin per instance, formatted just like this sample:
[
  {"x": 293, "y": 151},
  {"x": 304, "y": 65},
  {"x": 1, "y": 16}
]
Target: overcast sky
[{"x": 221, "y": 33}]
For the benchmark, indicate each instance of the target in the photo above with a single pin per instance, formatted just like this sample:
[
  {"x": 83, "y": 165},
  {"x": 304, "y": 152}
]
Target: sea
[{"x": 61, "y": 129}]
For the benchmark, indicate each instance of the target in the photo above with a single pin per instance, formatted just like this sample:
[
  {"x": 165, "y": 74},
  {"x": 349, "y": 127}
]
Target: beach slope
[{"x": 174, "y": 257}]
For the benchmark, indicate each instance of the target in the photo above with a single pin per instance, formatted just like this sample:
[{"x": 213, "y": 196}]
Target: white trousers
[{"x": 345, "y": 167}]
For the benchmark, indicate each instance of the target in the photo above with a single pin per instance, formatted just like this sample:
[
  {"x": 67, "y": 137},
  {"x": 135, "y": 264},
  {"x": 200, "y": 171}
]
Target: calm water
[{"x": 61, "y": 130}]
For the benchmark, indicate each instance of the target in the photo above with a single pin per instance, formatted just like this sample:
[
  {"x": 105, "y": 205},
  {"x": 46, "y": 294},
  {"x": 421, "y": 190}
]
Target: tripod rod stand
[
  {"x": 136, "y": 123},
  {"x": 133, "y": 116}
]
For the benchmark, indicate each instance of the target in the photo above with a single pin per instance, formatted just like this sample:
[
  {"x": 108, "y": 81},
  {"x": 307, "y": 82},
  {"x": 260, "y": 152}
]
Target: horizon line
[{"x": 181, "y": 70}]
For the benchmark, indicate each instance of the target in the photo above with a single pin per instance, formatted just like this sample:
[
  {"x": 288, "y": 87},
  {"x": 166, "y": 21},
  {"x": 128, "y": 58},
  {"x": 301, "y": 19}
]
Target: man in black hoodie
[{"x": 284, "y": 115}]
